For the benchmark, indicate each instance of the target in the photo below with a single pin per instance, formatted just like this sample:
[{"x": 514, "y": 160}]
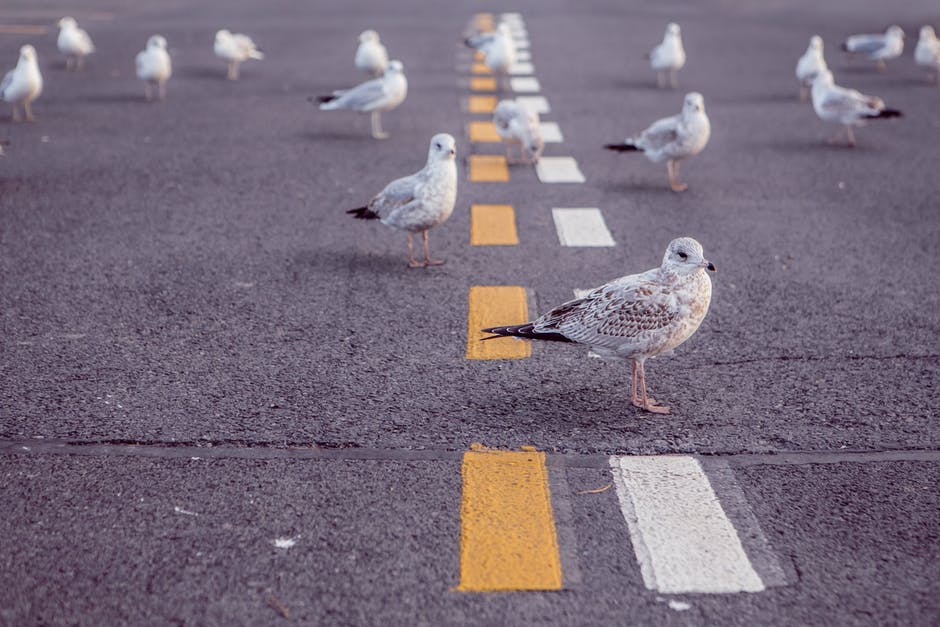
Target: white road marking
[
  {"x": 583, "y": 226},
  {"x": 536, "y": 104},
  {"x": 551, "y": 133},
  {"x": 521, "y": 68},
  {"x": 681, "y": 536},
  {"x": 284, "y": 543},
  {"x": 521, "y": 43},
  {"x": 185, "y": 512},
  {"x": 527, "y": 84},
  {"x": 558, "y": 170},
  {"x": 523, "y": 55}
]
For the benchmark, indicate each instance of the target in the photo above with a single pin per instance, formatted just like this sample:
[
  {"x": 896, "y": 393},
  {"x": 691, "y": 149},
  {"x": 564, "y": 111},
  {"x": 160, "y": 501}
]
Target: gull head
[
  {"x": 672, "y": 29},
  {"x": 534, "y": 149},
  {"x": 222, "y": 35},
  {"x": 28, "y": 54},
  {"x": 694, "y": 103},
  {"x": 926, "y": 32},
  {"x": 816, "y": 43},
  {"x": 684, "y": 255},
  {"x": 895, "y": 31},
  {"x": 394, "y": 67},
  {"x": 67, "y": 22},
  {"x": 368, "y": 35},
  {"x": 156, "y": 41},
  {"x": 443, "y": 148}
]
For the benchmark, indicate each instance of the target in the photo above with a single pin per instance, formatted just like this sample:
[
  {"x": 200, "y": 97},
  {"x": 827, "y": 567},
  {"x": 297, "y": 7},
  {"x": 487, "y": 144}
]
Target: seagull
[
  {"x": 673, "y": 138},
  {"x": 154, "y": 67},
  {"x": 22, "y": 84},
  {"x": 927, "y": 52},
  {"x": 878, "y": 47},
  {"x": 810, "y": 64},
  {"x": 375, "y": 96},
  {"x": 421, "y": 201},
  {"x": 235, "y": 48},
  {"x": 668, "y": 56},
  {"x": 635, "y": 317},
  {"x": 518, "y": 126},
  {"x": 73, "y": 42},
  {"x": 846, "y": 106},
  {"x": 371, "y": 56},
  {"x": 498, "y": 48}
]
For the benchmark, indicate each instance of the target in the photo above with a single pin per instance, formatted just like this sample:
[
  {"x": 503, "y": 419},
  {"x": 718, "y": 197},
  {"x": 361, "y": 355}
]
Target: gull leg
[
  {"x": 68, "y": 63},
  {"x": 232, "y": 75},
  {"x": 29, "y": 113},
  {"x": 649, "y": 403},
  {"x": 148, "y": 91},
  {"x": 412, "y": 262},
  {"x": 633, "y": 397},
  {"x": 79, "y": 62},
  {"x": 881, "y": 65},
  {"x": 161, "y": 90},
  {"x": 16, "y": 113},
  {"x": 804, "y": 92},
  {"x": 659, "y": 79},
  {"x": 427, "y": 253},
  {"x": 851, "y": 135},
  {"x": 377, "y": 131},
  {"x": 673, "y": 78},
  {"x": 672, "y": 167}
]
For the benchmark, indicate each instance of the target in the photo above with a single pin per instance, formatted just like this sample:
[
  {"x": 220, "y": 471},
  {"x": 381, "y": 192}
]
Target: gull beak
[
  {"x": 453, "y": 152},
  {"x": 708, "y": 265}
]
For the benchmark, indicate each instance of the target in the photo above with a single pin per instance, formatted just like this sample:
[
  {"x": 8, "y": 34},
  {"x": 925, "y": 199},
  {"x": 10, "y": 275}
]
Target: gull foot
[
  {"x": 416, "y": 264},
  {"x": 651, "y": 406},
  {"x": 434, "y": 262},
  {"x": 679, "y": 187},
  {"x": 382, "y": 135}
]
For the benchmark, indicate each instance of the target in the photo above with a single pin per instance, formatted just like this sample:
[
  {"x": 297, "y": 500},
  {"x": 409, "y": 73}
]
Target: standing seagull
[
  {"x": 810, "y": 65},
  {"x": 879, "y": 47},
  {"x": 375, "y": 96},
  {"x": 499, "y": 50},
  {"x": 846, "y": 106},
  {"x": 73, "y": 42},
  {"x": 154, "y": 67},
  {"x": 518, "y": 126},
  {"x": 673, "y": 138},
  {"x": 927, "y": 53},
  {"x": 22, "y": 84},
  {"x": 421, "y": 201},
  {"x": 371, "y": 56},
  {"x": 235, "y": 48},
  {"x": 635, "y": 317},
  {"x": 668, "y": 56}
]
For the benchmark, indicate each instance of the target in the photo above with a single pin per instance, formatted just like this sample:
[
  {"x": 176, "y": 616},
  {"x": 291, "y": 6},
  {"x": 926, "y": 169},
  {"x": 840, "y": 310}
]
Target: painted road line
[
  {"x": 558, "y": 170},
  {"x": 681, "y": 536},
  {"x": 523, "y": 55},
  {"x": 493, "y": 225},
  {"x": 480, "y": 68},
  {"x": 536, "y": 104},
  {"x": 521, "y": 68},
  {"x": 525, "y": 84},
  {"x": 484, "y": 22},
  {"x": 582, "y": 226},
  {"x": 495, "y": 305},
  {"x": 482, "y": 84},
  {"x": 478, "y": 56},
  {"x": 521, "y": 43},
  {"x": 551, "y": 133},
  {"x": 488, "y": 169},
  {"x": 481, "y": 104},
  {"x": 507, "y": 529},
  {"x": 22, "y": 29},
  {"x": 482, "y": 131}
]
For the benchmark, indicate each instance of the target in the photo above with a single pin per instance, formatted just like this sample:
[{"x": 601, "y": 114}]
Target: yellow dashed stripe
[
  {"x": 481, "y": 131},
  {"x": 482, "y": 84},
  {"x": 484, "y": 22},
  {"x": 507, "y": 531},
  {"x": 479, "y": 68},
  {"x": 481, "y": 104},
  {"x": 491, "y": 306},
  {"x": 478, "y": 55},
  {"x": 488, "y": 168},
  {"x": 493, "y": 225}
]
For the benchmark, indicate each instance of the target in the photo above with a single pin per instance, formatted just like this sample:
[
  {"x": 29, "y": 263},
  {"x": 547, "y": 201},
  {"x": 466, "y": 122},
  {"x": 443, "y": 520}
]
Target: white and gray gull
[
  {"x": 374, "y": 97},
  {"x": 878, "y": 47},
  {"x": 517, "y": 126},
  {"x": 810, "y": 65},
  {"x": 73, "y": 42},
  {"x": 154, "y": 66},
  {"x": 419, "y": 202},
  {"x": 234, "y": 49},
  {"x": 371, "y": 56},
  {"x": 498, "y": 48},
  {"x": 23, "y": 84},
  {"x": 673, "y": 139},
  {"x": 927, "y": 53},
  {"x": 668, "y": 56},
  {"x": 847, "y": 107},
  {"x": 633, "y": 318}
]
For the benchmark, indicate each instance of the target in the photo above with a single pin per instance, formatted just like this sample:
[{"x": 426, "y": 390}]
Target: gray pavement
[{"x": 183, "y": 273}]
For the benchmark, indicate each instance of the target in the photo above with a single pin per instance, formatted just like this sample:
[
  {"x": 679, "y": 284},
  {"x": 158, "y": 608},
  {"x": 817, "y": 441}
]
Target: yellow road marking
[
  {"x": 478, "y": 55},
  {"x": 482, "y": 84},
  {"x": 22, "y": 29},
  {"x": 481, "y": 104},
  {"x": 480, "y": 68},
  {"x": 482, "y": 131},
  {"x": 493, "y": 225},
  {"x": 484, "y": 22},
  {"x": 507, "y": 530},
  {"x": 488, "y": 168},
  {"x": 496, "y": 305}
]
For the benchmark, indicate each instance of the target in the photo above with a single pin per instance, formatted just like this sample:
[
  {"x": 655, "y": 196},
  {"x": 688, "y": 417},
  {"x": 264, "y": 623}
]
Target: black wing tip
[
  {"x": 524, "y": 331},
  {"x": 362, "y": 213},
  {"x": 844, "y": 46},
  {"x": 889, "y": 113},
  {"x": 624, "y": 147},
  {"x": 321, "y": 99}
]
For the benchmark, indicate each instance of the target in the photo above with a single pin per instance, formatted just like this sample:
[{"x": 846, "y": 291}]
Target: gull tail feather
[
  {"x": 363, "y": 213},
  {"x": 526, "y": 331},
  {"x": 256, "y": 54},
  {"x": 623, "y": 147},
  {"x": 886, "y": 113}
]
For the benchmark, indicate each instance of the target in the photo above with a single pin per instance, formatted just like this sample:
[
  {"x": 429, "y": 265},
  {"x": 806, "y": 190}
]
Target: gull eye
[
  {"x": 682, "y": 255},
  {"x": 438, "y": 146}
]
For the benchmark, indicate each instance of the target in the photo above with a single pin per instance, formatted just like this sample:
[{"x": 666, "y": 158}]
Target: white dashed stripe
[
  {"x": 523, "y": 55},
  {"x": 681, "y": 535},
  {"x": 551, "y": 133},
  {"x": 521, "y": 68},
  {"x": 582, "y": 227},
  {"x": 559, "y": 170},
  {"x": 536, "y": 104},
  {"x": 526, "y": 84}
]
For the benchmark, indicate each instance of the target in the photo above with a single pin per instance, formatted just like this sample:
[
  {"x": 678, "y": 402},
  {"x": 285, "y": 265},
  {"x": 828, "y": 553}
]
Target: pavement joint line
[{"x": 351, "y": 452}]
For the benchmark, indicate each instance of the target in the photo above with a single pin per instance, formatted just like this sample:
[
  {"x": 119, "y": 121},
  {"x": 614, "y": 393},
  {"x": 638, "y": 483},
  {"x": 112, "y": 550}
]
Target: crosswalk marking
[
  {"x": 525, "y": 84},
  {"x": 482, "y": 131},
  {"x": 481, "y": 104},
  {"x": 508, "y": 539},
  {"x": 480, "y": 68},
  {"x": 551, "y": 133},
  {"x": 582, "y": 226},
  {"x": 681, "y": 536},
  {"x": 536, "y": 104},
  {"x": 522, "y": 68},
  {"x": 495, "y": 305},
  {"x": 488, "y": 168},
  {"x": 482, "y": 84},
  {"x": 559, "y": 170},
  {"x": 493, "y": 225}
]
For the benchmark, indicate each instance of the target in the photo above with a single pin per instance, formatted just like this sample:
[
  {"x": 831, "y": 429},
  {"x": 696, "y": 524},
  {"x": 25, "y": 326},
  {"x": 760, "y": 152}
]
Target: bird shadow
[
  {"x": 362, "y": 137},
  {"x": 344, "y": 261},
  {"x": 203, "y": 72},
  {"x": 114, "y": 98},
  {"x": 768, "y": 98},
  {"x": 805, "y": 146}
]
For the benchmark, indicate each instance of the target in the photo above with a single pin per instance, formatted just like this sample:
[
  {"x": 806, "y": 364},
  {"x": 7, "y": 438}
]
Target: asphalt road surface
[{"x": 223, "y": 401}]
